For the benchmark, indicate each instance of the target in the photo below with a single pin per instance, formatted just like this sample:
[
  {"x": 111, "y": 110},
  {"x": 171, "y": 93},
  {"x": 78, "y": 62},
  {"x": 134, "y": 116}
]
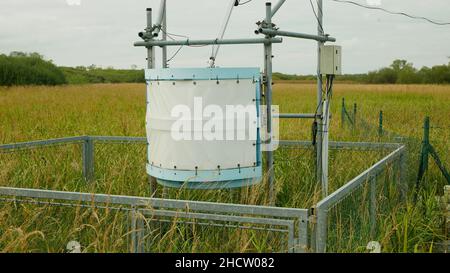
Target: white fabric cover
[{"x": 166, "y": 152}]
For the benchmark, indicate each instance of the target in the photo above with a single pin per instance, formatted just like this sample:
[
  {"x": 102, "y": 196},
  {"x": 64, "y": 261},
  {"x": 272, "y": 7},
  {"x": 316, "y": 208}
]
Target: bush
[{"x": 29, "y": 69}]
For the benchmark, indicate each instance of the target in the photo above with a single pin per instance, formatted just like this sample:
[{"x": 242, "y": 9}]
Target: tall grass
[{"x": 30, "y": 113}]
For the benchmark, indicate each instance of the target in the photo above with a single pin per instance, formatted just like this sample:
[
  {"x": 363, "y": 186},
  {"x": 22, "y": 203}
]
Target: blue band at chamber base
[
  {"x": 210, "y": 185},
  {"x": 228, "y": 178}
]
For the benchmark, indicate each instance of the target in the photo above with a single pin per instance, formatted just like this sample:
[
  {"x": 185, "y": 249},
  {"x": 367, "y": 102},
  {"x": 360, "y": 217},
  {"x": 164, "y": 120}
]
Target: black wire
[
  {"x": 315, "y": 14},
  {"x": 179, "y": 49},
  {"x": 175, "y": 54},
  {"x": 392, "y": 12}
]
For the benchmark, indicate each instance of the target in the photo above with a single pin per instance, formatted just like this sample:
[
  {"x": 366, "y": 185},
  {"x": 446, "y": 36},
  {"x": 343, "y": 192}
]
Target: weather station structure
[{"x": 204, "y": 164}]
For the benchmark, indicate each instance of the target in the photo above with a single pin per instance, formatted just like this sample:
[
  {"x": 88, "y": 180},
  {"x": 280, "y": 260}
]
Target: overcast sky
[{"x": 102, "y": 32}]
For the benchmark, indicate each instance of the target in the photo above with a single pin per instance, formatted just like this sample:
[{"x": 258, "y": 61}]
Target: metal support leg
[
  {"x": 88, "y": 159},
  {"x": 268, "y": 96},
  {"x": 150, "y": 65},
  {"x": 321, "y": 229},
  {"x": 319, "y": 141}
]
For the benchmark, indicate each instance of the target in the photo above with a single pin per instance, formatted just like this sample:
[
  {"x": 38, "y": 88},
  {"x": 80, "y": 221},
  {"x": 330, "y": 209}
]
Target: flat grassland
[{"x": 34, "y": 113}]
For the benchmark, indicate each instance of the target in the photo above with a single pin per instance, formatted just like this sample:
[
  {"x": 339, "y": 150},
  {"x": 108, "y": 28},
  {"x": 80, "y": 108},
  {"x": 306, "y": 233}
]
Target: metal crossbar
[{"x": 241, "y": 213}]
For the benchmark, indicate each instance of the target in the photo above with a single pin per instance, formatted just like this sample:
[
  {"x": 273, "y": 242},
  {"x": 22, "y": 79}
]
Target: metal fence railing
[
  {"x": 273, "y": 229},
  {"x": 292, "y": 222}
]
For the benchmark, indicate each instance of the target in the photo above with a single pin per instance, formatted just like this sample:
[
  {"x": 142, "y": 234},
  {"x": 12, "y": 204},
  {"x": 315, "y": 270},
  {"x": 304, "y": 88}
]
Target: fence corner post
[
  {"x": 88, "y": 159},
  {"x": 321, "y": 229}
]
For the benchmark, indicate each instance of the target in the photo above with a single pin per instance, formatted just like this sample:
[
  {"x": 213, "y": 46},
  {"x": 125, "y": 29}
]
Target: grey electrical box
[{"x": 330, "y": 60}]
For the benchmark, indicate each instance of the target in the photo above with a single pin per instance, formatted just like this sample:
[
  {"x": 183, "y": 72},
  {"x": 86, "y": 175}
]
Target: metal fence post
[
  {"x": 343, "y": 113},
  {"x": 140, "y": 234},
  {"x": 354, "y": 115},
  {"x": 88, "y": 159},
  {"x": 424, "y": 155},
  {"x": 321, "y": 229},
  {"x": 380, "y": 124},
  {"x": 133, "y": 231},
  {"x": 373, "y": 206}
]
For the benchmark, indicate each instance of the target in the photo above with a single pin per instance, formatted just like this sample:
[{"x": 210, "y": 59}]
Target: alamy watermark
[{"x": 214, "y": 122}]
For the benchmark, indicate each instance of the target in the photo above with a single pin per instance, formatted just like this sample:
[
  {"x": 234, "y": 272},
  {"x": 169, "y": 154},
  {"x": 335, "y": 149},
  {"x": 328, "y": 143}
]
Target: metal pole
[
  {"x": 268, "y": 98},
  {"x": 321, "y": 229},
  {"x": 150, "y": 65},
  {"x": 88, "y": 159},
  {"x": 133, "y": 231},
  {"x": 343, "y": 113},
  {"x": 164, "y": 36},
  {"x": 150, "y": 48},
  {"x": 354, "y": 115},
  {"x": 325, "y": 143},
  {"x": 296, "y": 35},
  {"x": 189, "y": 42},
  {"x": 319, "y": 173},
  {"x": 424, "y": 155},
  {"x": 380, "y": 125}
]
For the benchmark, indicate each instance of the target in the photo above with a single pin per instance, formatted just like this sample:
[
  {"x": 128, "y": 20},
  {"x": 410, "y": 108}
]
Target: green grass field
[{"x": 33, "y": 113}]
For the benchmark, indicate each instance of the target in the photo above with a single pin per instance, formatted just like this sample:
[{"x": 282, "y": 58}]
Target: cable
[
  {"x": 393, "y": 12},
  {"x": 315, "y": 14},
  {"x": 173, "y": 39},
  {"x": 175, "y": 54}
]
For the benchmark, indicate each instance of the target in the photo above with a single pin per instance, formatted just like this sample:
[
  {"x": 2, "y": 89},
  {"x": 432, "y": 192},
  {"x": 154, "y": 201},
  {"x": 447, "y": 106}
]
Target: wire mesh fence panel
[
  {"x": 162, "y": 234},
  {"x": 347, "y": 223},
  {"x": 366, "y": 214},
  {"x": 46, "y": 167},
  {"x": 120, "y": 168},
  {"x": 45, "y": 226}
]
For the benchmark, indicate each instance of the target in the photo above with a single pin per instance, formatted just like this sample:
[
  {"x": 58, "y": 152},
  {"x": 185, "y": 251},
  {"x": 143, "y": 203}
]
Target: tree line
[
  {"x": 20, "y": 68},
  {"x": 399, "y": 72}
]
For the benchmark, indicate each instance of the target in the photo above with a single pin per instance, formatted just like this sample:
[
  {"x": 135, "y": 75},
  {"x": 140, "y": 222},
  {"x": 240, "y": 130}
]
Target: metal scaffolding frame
[{"x": 267, "y": 28}]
